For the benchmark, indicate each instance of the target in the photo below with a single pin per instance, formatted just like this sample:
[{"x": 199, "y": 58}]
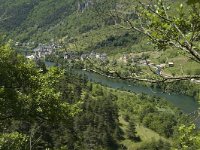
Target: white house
[
  {"x": 30, "y": 57},
  {"x": 171, "y": 64}
]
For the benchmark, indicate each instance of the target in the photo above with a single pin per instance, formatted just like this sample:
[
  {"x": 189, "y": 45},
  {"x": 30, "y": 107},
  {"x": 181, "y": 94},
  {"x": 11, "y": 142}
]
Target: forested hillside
[
  {"x": 55, "y": 107},
  {"x": 31, "y": 18},
  {"x": 44, "y": 108},
  {"x": 77, "y": 24}
]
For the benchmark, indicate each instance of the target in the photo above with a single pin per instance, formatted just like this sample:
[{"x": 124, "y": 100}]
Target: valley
[{"x": 99, "y": 75}]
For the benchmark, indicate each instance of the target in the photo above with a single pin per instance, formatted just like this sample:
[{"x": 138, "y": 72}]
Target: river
[{"x": 185, "y": 103}]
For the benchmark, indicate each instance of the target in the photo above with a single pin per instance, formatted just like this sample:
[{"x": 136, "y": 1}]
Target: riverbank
[
  {"x": 185, "y": 103},
  {"x": 179, "y": 87}
]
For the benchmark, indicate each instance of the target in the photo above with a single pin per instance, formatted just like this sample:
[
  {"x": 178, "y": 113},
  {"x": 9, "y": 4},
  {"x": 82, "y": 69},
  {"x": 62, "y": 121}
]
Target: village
[
  {"x": 44, "y": 50},
  {"x": 53, "y": 50}
]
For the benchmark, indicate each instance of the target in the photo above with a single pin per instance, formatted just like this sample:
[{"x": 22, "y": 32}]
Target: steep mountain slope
[
  {"x": 75, "y": 23},
  {"x": 31, "y": 17}
]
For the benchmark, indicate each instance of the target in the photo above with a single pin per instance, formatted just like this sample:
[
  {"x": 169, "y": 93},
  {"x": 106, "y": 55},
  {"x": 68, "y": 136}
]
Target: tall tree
[
  {"x": 165, "y": 26},
  {"x": 29, "y": 97}
]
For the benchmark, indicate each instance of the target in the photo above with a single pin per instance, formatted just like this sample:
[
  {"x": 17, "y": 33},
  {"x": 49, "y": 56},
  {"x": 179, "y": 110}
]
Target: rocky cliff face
[{"x": 84, "y": 5}]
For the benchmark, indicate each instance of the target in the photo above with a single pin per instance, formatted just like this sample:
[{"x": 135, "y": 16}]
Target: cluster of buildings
[
  {"x": 93, "y": 55},
  {"x": 24, "y": 44},
  {"x": 42, "y": 50},
  {"x": 98, "y": 56},
  {"x": 160, "y": 67},
  {"x": 125, "y": 58},
  {"x": 71, "y": 55}
]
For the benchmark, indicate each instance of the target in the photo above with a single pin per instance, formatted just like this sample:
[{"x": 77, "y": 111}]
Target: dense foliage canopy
[{"x": 53, "y": 108}]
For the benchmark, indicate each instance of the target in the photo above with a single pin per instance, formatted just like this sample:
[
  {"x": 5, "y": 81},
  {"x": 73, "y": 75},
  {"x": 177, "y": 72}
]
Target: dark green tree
[{"x": 131, "y": 131}]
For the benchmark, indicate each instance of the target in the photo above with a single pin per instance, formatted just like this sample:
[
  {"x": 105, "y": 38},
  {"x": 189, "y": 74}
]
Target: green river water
[{"x": 185, "y": 103}]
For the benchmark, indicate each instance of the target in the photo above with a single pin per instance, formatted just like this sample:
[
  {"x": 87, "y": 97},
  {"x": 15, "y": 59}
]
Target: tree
[
  {"x": 192, "y": 1},
  {"x": 180, "y": 31},
  {"x": 29, "y": 97},
  {"x": 13, "y": 140},
  {"x": 189, "y": 137},
  {"x": 155, "y": 145},
  {"x": 2, "y": 17},
  {"x": 131, "y": 131},
  {"x": 166, "y": 27}
]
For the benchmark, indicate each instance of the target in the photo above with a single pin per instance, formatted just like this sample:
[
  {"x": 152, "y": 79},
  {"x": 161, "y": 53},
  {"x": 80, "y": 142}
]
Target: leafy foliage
[
  {"x": 155, "y": 145},
  {"x": 46, "y": 109},
  {"x": 13, "y": 140},
  {"x": 188, "y": 137},
  {"x": 164, "y": 29},
  {"x": 28, "y": 98}
]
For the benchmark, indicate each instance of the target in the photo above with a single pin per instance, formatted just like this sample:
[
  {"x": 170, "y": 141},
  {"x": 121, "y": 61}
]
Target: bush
[
  {"x": 13, "y": 141},
  {"x": 86, "y": 28},
  {"x": 155, "y": 145}
]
